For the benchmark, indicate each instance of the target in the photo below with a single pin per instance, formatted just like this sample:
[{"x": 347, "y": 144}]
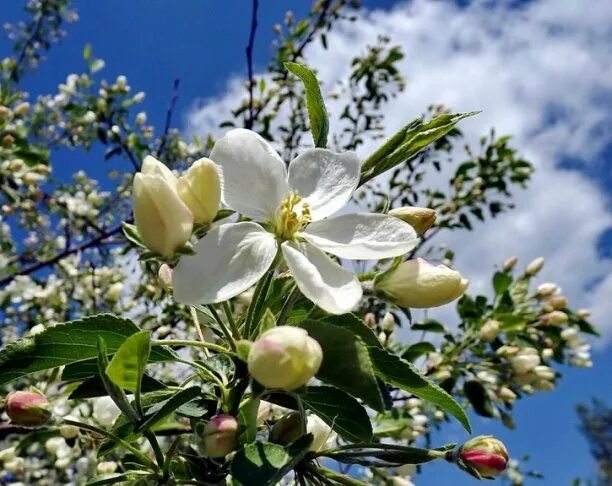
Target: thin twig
[
  {"x": 60, "y": 256},
  {"x": 249, "y": 55},
  {"x": 169, "y": 112}
]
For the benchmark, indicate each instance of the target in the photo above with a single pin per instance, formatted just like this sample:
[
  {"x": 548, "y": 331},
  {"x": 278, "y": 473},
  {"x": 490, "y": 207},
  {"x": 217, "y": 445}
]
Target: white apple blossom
[{"x": 291, "y": 209}]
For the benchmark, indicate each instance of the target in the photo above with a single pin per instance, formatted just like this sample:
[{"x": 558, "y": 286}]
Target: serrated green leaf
[
  {"x": 346, "y": 362},
  {"x": 156, "y": 413},
  {"x": 381, "y": 456},
  {"x": 340, "y": 411},
  {"x": 417, "y": 350},
  {"x": 319, "y": 124},
  {"x": 356, "y": 326},
  {"x": 264, "y": 463},
  {"x": 476, "y": 393},
  {"x": 68, "y": 343},
  {"x": 398, "y": 372},
  {"x": 128, "y": 364}
]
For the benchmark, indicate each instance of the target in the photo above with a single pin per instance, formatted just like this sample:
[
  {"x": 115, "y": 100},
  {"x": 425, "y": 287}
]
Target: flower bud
[
  {"x": 200, "y": 190},
  {"x": 547, "y": 289},
  {"x": 510, "y": 263},
  {"x": 421, "y": 219},
  {"x": 220, "y": 436},
  {"x": 323, "y": 436},
  {"x": 554, "y": 318},
  {"x": 370, "y": 320},
  {"x": 584, "y": 313},
  {"x": 163, "y": 220},
  {"x": 165, "y": 276},
  {"x": 506, "y": 395},
  {"x": 534, "y": 267},
  {"x": 29, "y": 408},
  {"x": 483, "y": 456},
  {"x": 558, "y": 302},
  {"x": 22, "y": 108},
  {"x": 419, "y": 284},
  {"x": 489, "y": 330},
  {"x": 388, "y": 323},
  {"x": 284, "y": 357},
  {"x": 526, "y": 360}
]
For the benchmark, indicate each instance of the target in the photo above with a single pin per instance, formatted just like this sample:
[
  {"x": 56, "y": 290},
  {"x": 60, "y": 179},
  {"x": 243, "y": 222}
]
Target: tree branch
[
  {"x": 249, "y": 55},
  {"x": 169, "y": 112}
]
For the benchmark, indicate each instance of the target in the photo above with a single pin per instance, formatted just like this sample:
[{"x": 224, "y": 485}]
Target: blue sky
[{"x": 540, "y": 70}]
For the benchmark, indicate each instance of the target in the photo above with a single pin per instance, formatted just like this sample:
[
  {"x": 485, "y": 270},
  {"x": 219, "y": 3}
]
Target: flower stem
[
  {"x": 223, "y": 327},
  {"x": 287, "y": 306},
  {"x": 189, "y": 342},
  {"x": 231, "y": 320},
  {"x": 259, "y": 297}
]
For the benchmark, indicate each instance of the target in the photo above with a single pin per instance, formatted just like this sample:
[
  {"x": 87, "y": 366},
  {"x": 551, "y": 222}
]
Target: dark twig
[
  {"x": 169, "y": 112},
  {"x": 249, "y": 55},
  {"x": 60, "y": 256}
]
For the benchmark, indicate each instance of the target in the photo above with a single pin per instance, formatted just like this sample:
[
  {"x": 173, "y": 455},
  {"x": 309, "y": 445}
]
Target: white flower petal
[
  {"x": 254, "y": 175},
  {"x": 362, "y": 236},
  {"x": 320, "y": 279},
  {"x": 325, "y": 179},
  {"x": 229, "y": 259}
]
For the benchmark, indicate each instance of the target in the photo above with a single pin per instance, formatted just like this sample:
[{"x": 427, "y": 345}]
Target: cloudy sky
[{"x": 540, "y": 71}]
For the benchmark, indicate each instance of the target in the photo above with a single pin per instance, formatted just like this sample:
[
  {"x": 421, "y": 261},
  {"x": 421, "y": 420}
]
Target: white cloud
[{"x": 542, "y": 73}]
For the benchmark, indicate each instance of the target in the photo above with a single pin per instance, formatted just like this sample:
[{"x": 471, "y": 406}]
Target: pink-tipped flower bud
[
  {"x": 28, "y": 408},
  {"x": 165, "y": 276},
  {"x": 421, "y": 219},
  {"x": 483, "y": 457},
  {"x": 220, "y": 436},
  {"x": 584, "y": 313},
  {"x": 284, "y": 357},
  {"x": 370, "y": 320},
  {"x": 419, "y": 284},
  {"x": 510, "y": 263}
]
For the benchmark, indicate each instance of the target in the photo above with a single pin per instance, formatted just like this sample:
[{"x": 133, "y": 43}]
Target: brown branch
[{"x": 60, "y": 256}]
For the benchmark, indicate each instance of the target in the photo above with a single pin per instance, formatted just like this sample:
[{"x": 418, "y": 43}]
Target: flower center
[{"x": 292, "y": 216}]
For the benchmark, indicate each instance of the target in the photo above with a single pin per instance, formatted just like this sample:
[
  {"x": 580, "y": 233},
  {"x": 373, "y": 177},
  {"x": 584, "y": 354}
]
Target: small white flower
[
  {"x": 293, "y": 208},
  {"x": 105, "y": 411}
]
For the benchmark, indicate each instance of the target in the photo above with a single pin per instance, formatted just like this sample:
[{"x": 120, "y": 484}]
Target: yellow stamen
[{"x": 292, "y": 216}]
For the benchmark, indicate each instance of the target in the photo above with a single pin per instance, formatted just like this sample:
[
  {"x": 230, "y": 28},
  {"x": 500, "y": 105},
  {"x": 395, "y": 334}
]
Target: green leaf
[
  {"x": 94, "y": 387},
  {"x": 385, "y": 455},
  {"x": 156, "y": 413},
  {"x": 416, "y": 136},
  {"x": 398, "y": 372},
  {"x": 357, "y": 327},
  {"x": 247, "y": 420},
  {"x": 340, "y": 411},
  {"x": 128, "y": 364},
  {"x": 428, "y": 326},
  {"x": 479, "y": 398},
  {"x": 501, "y": 282},
  {"x": 417, "y": 350},
  {"x": 346, "y": 362},
  {"x": 265, "y": 464},
  {"x": 319, "y": 124},
  {"x": 68, "y": 343}
]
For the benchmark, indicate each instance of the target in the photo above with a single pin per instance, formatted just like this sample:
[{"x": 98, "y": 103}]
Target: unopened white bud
[
  {"x": 419, "y": 284},
  {"x": 534, "y": 267}
]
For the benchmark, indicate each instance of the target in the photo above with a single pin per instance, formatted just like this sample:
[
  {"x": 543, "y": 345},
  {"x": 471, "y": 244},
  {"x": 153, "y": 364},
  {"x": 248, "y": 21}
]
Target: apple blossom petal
[
  {"x": 229, "y": 259},
  {"x": 326, "y": 180},
  {"x": 254, "y": 175},
  {"x": 320, "y": 279},
  {"x": 362, "y": 236}
]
